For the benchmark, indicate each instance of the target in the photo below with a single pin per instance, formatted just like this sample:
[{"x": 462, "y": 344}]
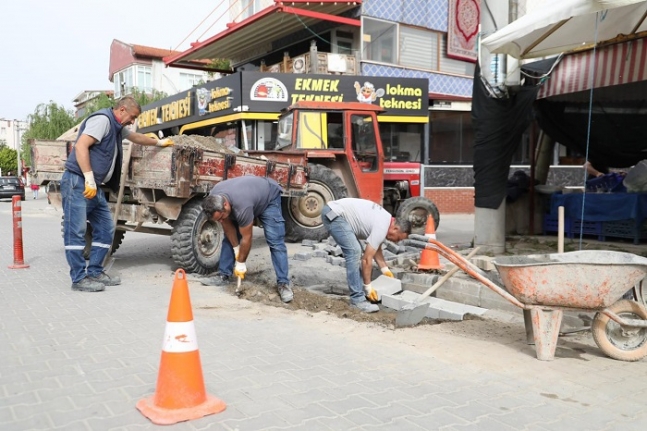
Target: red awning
[
  {"x": 253, "y": 36},
  {"x": 622, "y": 63}
]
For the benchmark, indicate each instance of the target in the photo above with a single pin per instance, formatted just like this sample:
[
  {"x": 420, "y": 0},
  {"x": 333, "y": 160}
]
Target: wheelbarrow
[{"x": 544, "y": 285}]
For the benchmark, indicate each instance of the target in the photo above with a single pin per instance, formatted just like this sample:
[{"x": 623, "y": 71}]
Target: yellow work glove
[
  {"x": 90, "y": 186},
  {"x": 371, "y": 294},
  {"x": 236, "y": 250},
  {"x": 240, "y": 270},
  {"x": 386, "y": 271},
  {"x": 164, "y": 142}
]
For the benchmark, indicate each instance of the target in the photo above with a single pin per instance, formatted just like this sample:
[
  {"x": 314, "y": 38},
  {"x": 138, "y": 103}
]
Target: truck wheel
[
  {"x": 196, "y": 241},
  {"x": 303, "y": 214},
  {"x": 416, "y": 210},
  {"x": 116, "y": 241},
  {"x": 619, "y": 342}
]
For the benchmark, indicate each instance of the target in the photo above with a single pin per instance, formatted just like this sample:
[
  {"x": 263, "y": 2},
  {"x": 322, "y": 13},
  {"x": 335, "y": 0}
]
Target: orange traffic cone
[
  {"x": 429, "y": 258},
  {"x": 180, "y": 394}
]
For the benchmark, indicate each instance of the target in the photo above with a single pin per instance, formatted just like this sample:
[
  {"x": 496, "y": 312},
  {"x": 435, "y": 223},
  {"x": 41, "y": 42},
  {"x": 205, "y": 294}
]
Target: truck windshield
[
  {"x": 284, "y": 135},
  {"x": 364, "y": 142}
]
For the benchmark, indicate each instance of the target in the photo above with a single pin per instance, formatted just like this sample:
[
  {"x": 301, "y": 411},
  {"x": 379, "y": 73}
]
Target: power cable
[{"x": 201, "y": 22}]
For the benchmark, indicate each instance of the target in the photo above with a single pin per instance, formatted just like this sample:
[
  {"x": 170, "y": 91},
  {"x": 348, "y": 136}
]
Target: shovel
[
  {"x": 239, "y": 289},
  {"x": 109, "y": 260},
  {"x": 412, "y": 314}
]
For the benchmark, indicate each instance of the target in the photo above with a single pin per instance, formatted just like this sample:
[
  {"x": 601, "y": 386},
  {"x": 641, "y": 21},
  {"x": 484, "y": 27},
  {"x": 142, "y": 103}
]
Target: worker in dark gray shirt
[{"x": 235, "y": 203}]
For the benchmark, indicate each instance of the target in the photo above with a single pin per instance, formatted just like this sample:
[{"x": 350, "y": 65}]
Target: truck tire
[
  {"x": 303, "y": 214},
  {"x": 196, "y": 241},
  {"x": 116, "y": 241},
  {"x": 416, "y": 210}
]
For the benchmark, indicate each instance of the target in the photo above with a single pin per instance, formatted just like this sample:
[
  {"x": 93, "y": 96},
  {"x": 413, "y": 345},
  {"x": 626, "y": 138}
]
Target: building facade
[
  {"x": 395, "y": 39},
  {"x": 142, "y": 68}
]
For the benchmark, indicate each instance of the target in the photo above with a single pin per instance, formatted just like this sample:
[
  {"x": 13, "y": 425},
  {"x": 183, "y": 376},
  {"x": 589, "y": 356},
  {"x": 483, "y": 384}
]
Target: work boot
[
  {"x": 285, "y": 292},
  {"x": 88, "y": 285},
  {"x": 217, "y": 280},
  {"x": 366, "y": 307},
  {"x": 105, "y": 279}
]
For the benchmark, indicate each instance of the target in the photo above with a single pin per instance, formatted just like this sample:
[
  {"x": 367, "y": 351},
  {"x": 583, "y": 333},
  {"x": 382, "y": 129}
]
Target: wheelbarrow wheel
[{"x": 616, "y": 341}]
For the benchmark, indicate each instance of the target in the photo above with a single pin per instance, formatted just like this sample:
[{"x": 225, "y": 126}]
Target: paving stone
[
  {"x": 438, "y": 308},
  {"x": 302, "y": 256}
]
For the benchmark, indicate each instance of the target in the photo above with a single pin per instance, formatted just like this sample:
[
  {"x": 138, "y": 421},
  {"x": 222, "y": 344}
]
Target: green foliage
[
  {"x": 144, "y": 98},
  {"x": 49, "y": 121},
  {"x": 100, "y": 102},
  {"x": 218, "y": 64},
  {"x": 8, "y": 159}
]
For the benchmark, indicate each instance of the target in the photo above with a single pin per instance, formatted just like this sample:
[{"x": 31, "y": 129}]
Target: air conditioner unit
[{"x": 299, "y": 64}]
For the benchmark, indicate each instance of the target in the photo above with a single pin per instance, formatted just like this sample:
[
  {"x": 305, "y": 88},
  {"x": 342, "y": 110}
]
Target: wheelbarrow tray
[{"x": 590, "y": 279}]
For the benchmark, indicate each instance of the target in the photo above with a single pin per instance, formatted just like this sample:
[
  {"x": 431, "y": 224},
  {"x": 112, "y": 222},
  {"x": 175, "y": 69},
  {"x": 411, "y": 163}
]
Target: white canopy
[{"x": 564, "y": 25}]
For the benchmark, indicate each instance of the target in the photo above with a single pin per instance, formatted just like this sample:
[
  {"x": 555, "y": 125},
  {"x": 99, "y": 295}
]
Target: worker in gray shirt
[
  {"x": 348, "y": 220},
  {"x": 235, "y": 203}
]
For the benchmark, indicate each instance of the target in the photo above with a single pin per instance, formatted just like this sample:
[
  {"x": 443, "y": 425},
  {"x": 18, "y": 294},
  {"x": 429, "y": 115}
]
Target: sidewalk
[{"x": 80, "y": 361}]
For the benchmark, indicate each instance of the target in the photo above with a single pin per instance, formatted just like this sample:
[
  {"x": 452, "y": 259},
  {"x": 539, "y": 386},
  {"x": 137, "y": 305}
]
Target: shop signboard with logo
[{"x": 243, "y": 94}]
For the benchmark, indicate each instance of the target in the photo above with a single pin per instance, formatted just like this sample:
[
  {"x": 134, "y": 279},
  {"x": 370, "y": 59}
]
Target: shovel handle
[{"x": 445, "y": 277}]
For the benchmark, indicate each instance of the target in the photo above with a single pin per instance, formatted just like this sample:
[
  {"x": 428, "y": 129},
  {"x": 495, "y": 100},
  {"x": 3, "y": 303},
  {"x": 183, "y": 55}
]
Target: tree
[
  {"x": 8, "y": 159},
  {"x": 49, "y": 121}
]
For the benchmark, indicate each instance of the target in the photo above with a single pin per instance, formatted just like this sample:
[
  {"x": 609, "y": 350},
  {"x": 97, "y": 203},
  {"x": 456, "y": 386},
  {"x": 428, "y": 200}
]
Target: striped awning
[{"x": 617, "y": 64}]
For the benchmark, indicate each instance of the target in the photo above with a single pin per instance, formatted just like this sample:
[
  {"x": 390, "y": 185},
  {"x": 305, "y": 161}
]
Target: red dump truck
[{"x": 164, "y": 187}]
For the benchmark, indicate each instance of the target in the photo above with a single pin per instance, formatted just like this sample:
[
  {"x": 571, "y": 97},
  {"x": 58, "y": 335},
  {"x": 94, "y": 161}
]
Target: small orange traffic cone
[
  {"x": 429, "y": 258},
  {"x": 180, "y": 394}
]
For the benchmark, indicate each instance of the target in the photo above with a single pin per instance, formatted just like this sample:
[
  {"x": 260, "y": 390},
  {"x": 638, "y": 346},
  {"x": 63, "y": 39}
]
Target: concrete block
[
  {"x": 391, "y": 246},
  {"x": 340, "y": 261},
  {"x": 329, "y": 259},
  {"x": 336, "y": 251},
  {"x": 386, "y": 285},
  {"x": 302, "y": 256},
  {"x": 331, "y": 241},
  {"x": 438, "y": 308},
  {"x": 388, "y": 255},
  {"x": 320, "y": 253},
  {"x": 484, "y": 262},
  {"x": 308, "y": 242}
]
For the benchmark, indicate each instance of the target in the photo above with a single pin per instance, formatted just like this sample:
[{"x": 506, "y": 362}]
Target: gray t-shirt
[
  {"x": 248, "y": 196},
  {"x": 368, "y": 220},
  {"x": 98, "y": 127}
]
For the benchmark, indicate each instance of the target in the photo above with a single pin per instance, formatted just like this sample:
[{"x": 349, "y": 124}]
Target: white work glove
[
  {"x": 164, "y": 142},
  {"x": 236, "y": 250},
  {"x": 240, "y": 270},
  {"x": 386, "y": 271},
  {"x": 90, "y": 186},
  {"x": 370, "y": 293}
]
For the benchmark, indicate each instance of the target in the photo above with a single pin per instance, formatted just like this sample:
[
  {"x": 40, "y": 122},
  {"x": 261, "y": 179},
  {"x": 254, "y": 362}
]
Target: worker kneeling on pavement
[
  {"x": 235, "y": 203},
  {"x": 348, "y": 220}
]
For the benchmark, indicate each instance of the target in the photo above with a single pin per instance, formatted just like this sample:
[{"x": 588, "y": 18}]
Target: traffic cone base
[
  {"x": 429, "y": 258},
  {"x": 162, "y": 416},
  {"x": 180, "y": 393}
]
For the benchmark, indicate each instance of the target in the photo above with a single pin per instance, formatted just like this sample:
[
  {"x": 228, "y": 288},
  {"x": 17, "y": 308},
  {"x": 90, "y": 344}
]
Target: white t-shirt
[
  {"x": 368, "y": 220},
  {"x": 98, "y": 127}
]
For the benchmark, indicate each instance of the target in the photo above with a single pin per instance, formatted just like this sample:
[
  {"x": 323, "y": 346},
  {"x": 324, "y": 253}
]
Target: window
[
  {"x": 124, "y": 82},
  {"x": 402, "y": 142},
  {"x": 414, "y": 47},
  {"x": 144, "y": 79},
  {"x": 379, "y": 41},
  {"x": 188, "y": 80},
  {"x": 452, "y": 138}
]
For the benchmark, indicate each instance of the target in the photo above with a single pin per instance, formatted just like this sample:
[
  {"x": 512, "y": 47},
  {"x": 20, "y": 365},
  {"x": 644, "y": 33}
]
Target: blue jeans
[
  {"x": 274, "y": 229},
  {"x": 77, "y": 210},
  {"x": 347, "y": 240}
]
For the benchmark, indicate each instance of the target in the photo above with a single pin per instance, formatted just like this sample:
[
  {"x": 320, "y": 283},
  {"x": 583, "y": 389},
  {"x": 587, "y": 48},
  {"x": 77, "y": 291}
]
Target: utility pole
[{"x": 18, "y": 145}]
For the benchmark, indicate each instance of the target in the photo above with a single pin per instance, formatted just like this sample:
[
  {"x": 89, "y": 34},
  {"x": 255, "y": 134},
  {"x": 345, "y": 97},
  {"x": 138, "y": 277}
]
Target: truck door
[{"x": 365, "y": 154}]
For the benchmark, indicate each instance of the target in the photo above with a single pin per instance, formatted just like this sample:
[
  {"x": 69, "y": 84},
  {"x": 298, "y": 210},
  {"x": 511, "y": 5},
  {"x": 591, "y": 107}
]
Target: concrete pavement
[{"x": 81, "y": 361}]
